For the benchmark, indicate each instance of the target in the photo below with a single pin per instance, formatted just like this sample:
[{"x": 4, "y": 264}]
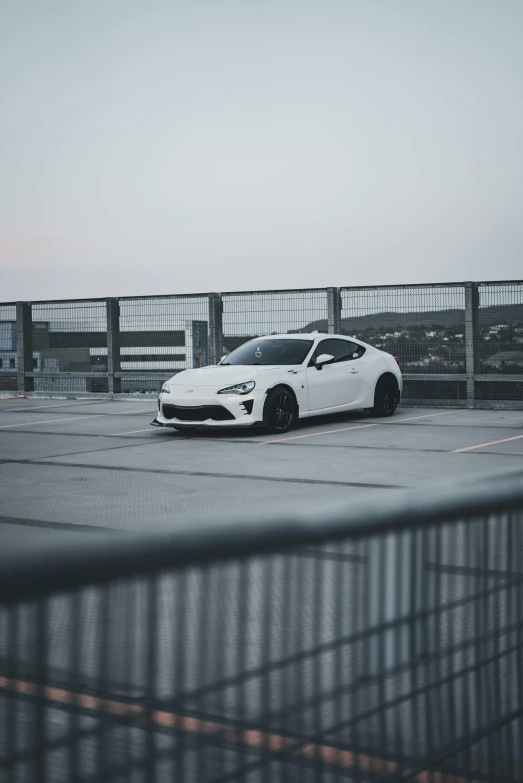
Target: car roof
[
  {"x": 314, "y": 336},
  {"x": 291, "y": 336},
  {"x": 304, "y": 336}
]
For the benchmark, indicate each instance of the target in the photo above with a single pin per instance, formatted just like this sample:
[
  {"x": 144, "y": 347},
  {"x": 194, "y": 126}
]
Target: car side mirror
[{"x": 323, "y": 359}]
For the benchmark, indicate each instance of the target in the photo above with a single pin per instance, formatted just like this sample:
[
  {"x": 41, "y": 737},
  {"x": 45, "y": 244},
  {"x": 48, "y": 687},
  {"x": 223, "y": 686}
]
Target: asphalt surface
[
  {"x": 71, "y": 468},
  {"x": 75, "y": 465}
]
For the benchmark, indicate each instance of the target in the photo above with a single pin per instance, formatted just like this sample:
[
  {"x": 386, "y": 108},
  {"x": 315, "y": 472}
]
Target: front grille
[{"x": 197, "y": 413}]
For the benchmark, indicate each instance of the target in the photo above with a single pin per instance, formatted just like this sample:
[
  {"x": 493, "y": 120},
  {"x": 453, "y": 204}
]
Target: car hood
[{"x": 221, "y": 375}]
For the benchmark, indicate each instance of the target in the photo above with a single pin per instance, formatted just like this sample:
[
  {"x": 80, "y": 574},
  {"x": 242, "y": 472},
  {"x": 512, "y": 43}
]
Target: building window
[
  {"x": 11, "y": 364},
  {"x": 35, "y": 364},
  {"x": 1, "y": 363}
]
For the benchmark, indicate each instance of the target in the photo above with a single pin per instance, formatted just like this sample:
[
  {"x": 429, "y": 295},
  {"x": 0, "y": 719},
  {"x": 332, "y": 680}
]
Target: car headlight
[
  {"x": 239, "y": 388},
  {"x": 165, "y": 388}
]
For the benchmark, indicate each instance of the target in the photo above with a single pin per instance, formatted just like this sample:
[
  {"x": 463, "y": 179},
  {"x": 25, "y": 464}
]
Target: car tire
[
  {"x": 280, "y": 411},
  {"x": 386, "y": 398}
]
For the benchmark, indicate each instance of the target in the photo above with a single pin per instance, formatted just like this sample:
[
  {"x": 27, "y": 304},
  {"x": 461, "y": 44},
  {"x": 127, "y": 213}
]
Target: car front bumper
[{"x": 210, "y": 410}]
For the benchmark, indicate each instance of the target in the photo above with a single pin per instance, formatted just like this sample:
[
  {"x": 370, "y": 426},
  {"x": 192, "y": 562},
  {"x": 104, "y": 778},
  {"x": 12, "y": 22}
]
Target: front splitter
[{"x": 202, "y": 426}]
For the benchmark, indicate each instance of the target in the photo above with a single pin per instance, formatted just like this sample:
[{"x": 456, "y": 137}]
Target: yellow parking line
[
  {"x": 361, "y": 426},
  {"x": 251, "y": 738},
  {"x": 425, "y": 416},
  {"x": 491, "y": 443},
  {"x": 314, "y": 434}
]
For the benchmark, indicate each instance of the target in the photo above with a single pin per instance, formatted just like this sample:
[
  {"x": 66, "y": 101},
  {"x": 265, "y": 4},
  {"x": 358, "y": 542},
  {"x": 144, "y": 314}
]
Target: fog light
[{"x": 247, "y": 406}]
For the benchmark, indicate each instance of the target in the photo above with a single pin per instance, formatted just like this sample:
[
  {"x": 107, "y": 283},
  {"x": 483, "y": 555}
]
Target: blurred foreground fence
[
  {"x": 458, "y": 343},
  {"x": 378, "y": 642}
]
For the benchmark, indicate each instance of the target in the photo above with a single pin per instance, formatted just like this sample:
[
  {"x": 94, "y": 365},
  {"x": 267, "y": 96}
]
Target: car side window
[
  {"x": 357, "y": 350},
  {"x": 342, "y": 350}
]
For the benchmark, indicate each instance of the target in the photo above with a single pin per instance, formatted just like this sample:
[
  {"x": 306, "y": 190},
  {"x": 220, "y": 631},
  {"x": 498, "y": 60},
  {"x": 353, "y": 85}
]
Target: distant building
[
  {"x": 7, "y": 336},
  {"x": 505, "y": 359},
  {"x": 68, "y": 346}
]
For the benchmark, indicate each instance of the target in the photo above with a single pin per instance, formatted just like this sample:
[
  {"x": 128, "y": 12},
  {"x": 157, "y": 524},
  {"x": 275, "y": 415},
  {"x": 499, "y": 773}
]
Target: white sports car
[{"x": 278, "y": 379}]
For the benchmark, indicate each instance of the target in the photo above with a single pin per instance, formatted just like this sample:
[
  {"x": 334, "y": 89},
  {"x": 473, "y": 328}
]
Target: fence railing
[
  {"x": 458, "y": 343},
  {"x": 378, "y": 642}
]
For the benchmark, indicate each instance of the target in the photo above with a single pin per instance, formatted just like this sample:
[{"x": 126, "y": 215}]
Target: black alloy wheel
[
  {"x": 280, "y": 411},
  {"x": 386, "y": 398}
]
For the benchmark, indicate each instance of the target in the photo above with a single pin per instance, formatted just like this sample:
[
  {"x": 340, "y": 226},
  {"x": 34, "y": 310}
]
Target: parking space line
[
  {"x": 49, "y": 421},
  {"x": 128, "y": 413},
  {"x": 73, "y": 418},
  {"x": 361, "y": 426},
  {"x": 129, "y": 432},
  {"x": 14, "y": 409},
  {"x": 57, "y": 404},
  {"x": 491, "y": 443}
]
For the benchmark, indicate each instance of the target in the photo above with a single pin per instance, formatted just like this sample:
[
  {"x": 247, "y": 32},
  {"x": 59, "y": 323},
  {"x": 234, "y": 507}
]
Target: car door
[{"x": 338, "y": 382}]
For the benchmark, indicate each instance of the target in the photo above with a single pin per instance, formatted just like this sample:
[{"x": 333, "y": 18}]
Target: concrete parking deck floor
[{"x": 76, "y": 466}]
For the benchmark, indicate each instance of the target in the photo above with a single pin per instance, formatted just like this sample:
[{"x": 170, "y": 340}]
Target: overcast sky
[{"x": 169, "y": 147}]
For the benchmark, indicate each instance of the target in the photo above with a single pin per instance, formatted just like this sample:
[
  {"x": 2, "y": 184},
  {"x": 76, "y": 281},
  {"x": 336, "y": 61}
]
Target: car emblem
[{"x": 189, "y": 391}]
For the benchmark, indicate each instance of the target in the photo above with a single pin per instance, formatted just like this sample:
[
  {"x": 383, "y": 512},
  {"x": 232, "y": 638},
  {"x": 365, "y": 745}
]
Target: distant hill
[{"x": 497, "y": 314}]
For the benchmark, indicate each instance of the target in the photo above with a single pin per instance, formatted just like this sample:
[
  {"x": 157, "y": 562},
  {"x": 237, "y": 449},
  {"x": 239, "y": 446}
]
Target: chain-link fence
[
  {"x": 457, "y": 343},
  {"x": 424, "y": 326},
  {"x": 248, "y": 315},
  {"x": 500, "y": 355},
  {"x": 377, "y": 642},
  {"x": 160, "y": 337},
  {"x": 69, "y": 348}
]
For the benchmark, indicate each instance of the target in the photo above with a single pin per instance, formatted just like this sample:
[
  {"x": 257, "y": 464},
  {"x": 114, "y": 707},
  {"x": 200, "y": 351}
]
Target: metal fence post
[
  {"x": 24, "y": 346},
  {"x": 333, "y": 310},
  {"x": 113, "y": 346},
  {"x": 215, "y": 328},
  {"x": 471, "y": 339}
]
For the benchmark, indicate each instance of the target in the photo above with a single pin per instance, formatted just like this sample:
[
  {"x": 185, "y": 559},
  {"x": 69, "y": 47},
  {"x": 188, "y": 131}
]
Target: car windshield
[{"x": 266, "y": 351}]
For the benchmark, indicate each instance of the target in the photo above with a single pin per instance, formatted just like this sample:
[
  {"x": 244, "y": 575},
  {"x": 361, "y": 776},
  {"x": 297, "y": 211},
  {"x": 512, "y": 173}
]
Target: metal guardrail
[
  {"x": 381, "y": 641},
  {"x": 458, "y": 343}
]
